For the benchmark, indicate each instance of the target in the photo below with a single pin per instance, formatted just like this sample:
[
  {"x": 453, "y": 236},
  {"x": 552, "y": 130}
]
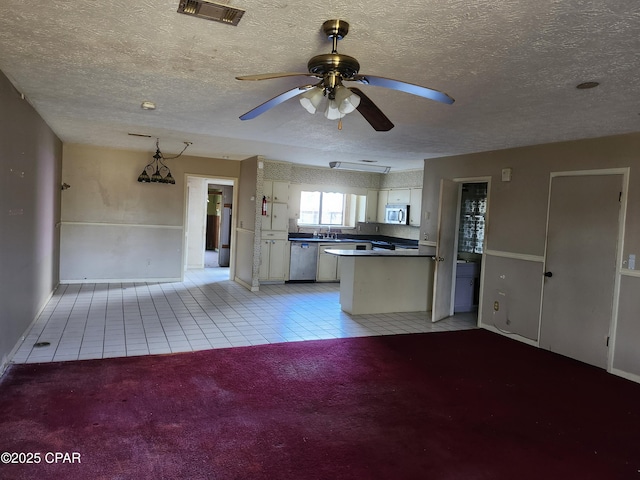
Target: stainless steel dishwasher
[{"x": 304, "y": 261}]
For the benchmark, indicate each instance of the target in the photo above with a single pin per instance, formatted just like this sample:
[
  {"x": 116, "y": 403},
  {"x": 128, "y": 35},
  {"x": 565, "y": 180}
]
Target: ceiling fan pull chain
[{"x": 340, "y": 124}]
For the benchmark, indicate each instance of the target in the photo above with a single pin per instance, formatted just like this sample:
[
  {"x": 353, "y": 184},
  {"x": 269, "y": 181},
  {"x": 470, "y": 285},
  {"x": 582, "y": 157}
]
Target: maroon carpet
[{"x": 457, "y": 405}]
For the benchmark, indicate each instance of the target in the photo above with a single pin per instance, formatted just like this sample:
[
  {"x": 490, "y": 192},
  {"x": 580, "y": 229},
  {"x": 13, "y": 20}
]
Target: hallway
[{"x": 88, "y": 321}]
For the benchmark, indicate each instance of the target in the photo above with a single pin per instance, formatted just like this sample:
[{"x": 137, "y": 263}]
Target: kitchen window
[{"x": 322, "y": 208}]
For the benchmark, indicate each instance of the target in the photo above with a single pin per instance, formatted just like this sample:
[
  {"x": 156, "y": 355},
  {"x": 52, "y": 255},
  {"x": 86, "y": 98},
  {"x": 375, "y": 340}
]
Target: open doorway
[
  {"x": 470, "y": 247},
  {"x": 460, "y": 245},
  {"x": 209, "y": 226}
]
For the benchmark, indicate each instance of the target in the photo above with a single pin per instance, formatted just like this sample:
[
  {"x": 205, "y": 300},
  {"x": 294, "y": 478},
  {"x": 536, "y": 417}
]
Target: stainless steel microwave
[{"x": 398, "y": 214}]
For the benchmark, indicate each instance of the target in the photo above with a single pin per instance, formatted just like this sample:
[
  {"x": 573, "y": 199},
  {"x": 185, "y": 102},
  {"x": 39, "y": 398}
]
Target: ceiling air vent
[{"x": 211, "y": 11}]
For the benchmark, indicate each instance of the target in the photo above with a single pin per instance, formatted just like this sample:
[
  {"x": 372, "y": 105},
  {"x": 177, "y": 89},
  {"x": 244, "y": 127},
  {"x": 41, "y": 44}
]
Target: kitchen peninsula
[{"x": 385, "y": 281}]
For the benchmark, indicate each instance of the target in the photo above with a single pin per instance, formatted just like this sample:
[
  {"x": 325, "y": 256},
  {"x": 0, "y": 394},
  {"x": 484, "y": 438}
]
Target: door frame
[
  {"x": 217, "y": 180},
  {"x": 486, "y": 180},
  {"x": 622, "y": 215},
  {"x": 460, "y": 181}
]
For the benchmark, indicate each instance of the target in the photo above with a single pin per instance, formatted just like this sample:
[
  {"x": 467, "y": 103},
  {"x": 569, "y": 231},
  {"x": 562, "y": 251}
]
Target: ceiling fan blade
[
  {"x": 411, "y": 88},
  {"x": 268, "y": 76},
  {"x": 260, "y": 109},
  {"x": 372, "y": 113}
]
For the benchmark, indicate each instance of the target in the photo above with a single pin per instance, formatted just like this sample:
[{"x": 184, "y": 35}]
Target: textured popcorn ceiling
[{"x": 511, "y": 65}]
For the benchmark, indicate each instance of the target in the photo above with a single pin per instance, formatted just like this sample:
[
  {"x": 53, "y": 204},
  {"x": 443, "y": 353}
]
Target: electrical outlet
[{"x": 496, "y": 305}]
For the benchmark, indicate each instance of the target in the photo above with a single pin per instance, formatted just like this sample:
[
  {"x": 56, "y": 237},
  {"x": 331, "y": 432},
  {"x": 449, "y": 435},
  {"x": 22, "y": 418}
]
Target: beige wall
[
  {"x": 31, "y": 157},
  {"x": 117, "y": 229},
  {"x": 517, "y": 226}
]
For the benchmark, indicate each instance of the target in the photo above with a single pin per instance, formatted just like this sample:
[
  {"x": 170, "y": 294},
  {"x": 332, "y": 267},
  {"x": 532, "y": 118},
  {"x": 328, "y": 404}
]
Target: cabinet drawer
[{"x": 274, "y": 235}]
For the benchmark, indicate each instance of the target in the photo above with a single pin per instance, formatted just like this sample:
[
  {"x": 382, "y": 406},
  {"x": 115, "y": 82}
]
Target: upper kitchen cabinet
[
  {"x": 371, "y": 209},
  {"x": 277, "y": 192},
  {"x": 415, "y": 207},
  {"x": 399, "y": 196},
  {"x": 276, "y": 195},
  {"x": 383, "y": 199}
]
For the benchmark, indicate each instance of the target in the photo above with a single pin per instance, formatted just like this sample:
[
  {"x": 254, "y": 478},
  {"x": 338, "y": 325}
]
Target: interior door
[
  {"x": 580, "y": 266},
  {"x": 446, "y": 255}
]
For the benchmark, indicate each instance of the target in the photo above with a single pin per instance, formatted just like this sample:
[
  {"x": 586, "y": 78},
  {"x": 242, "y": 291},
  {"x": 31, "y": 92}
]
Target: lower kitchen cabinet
[
  {"x": 274, "y": 260},
  {"x": 329, "y": 265}
]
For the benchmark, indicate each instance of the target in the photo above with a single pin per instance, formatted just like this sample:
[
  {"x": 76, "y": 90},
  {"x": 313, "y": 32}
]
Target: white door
[
  {"x": 446, "y": 255},
  {"x": 580, "y": 266}
]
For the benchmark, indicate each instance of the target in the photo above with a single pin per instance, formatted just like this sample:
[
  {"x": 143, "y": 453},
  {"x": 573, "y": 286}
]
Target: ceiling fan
[{"x": 333, "y": 69}]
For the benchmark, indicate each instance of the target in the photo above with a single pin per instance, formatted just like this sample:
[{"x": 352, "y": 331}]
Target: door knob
[{"x": 548, "y": 274}]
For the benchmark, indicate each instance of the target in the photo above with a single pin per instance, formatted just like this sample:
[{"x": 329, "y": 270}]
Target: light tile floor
[{"x": 89, "y": 321}]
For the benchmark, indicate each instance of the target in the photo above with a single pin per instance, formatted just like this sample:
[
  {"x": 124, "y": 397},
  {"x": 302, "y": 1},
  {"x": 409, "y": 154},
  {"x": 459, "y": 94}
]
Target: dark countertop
[
  {"x": 325, "y": 240},
  {"x": 378, "y": 253},
  {"x": 381, "y": 241}
]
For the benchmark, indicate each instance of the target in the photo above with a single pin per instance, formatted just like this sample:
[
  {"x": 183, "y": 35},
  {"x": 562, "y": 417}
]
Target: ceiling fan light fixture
[
  {"x": 333, "y": 69},
  {"x": 311, "y": 99},
  {"x": 346, "y": 100},
  {"x": 333, "y": 111}
]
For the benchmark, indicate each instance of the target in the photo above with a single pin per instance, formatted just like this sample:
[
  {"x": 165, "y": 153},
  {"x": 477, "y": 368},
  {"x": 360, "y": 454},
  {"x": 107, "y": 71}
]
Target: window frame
[{"x": 320, "y": 209}]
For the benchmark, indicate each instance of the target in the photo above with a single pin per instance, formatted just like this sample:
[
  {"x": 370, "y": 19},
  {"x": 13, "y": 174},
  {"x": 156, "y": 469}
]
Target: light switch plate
[{"x": 506, "y": 174}]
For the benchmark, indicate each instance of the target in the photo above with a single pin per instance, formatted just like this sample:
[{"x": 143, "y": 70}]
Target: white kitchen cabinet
[
  {"x": 399, "y": 196},
  {"x": 371, "y": 209},
  {"x": 383, "y": 197},
  {"x": 274, "y": 247},
  {"x": 277, "y": 196},
  {"x": 415, "y": 207},
  {"x": 280, "y": 192},
  {"x": 329, "y": 265},
  {"x": 274, "y": 260},
  {"x": 276, "y": 191},
  {"x": 277, "y": 217}
]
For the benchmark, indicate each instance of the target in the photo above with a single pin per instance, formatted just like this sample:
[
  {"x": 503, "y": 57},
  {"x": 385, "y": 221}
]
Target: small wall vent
[{"x": 211, "y": 11}]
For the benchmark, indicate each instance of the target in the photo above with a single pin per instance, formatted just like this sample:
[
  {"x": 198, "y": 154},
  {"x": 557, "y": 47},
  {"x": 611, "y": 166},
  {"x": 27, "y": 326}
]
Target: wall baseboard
[
  {"x": 246, "y": 285},
  {"x": 122, "y": 280},
  {"x": 629, "y": 376},
  {"x": 8, "y": 359},
  {"x": 515, "y": 336}
]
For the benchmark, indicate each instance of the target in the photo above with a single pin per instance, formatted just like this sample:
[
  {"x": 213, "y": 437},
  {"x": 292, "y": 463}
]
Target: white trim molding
[
  {"x": 94, "y": 224},
  {"x": 629, "y": 273},
  {"x": 515, "y": 256}
]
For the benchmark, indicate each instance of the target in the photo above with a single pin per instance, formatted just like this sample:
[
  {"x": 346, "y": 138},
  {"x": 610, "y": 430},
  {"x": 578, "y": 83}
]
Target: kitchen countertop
[
  {"x": 376, "y": 241},
  {"x": 327, "y": 240},
  {"x": 379, "y": 253}
]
